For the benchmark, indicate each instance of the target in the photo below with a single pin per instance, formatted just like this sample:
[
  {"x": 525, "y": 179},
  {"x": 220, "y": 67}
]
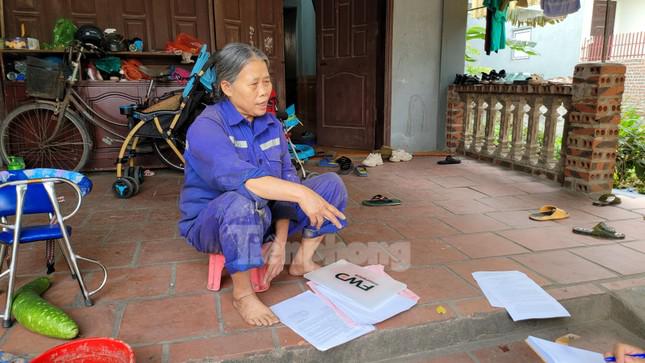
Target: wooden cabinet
[{"x": 154, "y": 21}]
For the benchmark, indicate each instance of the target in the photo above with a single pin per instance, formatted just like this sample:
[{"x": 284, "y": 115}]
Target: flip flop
[
  {"x": 449, "y": 160},
  {"x": 360, "y": 171},
  {"x": 549, "y": 213},
  {"x": 607, "y": 199},
  {"x": 345, "y": 164},
  {"x": 600, "y": 230},
  {"x": 379, "y": 200},
  {"x": 327, "y": 163}
]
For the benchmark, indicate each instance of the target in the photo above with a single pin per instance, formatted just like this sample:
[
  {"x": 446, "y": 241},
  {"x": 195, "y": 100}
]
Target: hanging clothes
[
  {"x": 519, "y": 16},
  {"x": 495, "y": 25},
  {"x": 555, "y": 8}
]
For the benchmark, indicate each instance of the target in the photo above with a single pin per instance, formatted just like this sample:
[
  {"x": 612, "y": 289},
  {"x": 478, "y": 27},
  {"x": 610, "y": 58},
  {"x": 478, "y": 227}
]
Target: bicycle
[{"x": 52, "y": 131}]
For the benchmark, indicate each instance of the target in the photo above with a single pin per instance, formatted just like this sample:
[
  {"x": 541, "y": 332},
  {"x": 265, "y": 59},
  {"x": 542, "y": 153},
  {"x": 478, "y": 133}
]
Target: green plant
[
  {"x": 479, "y": 32},
  {"x": 630, "y": 156}
]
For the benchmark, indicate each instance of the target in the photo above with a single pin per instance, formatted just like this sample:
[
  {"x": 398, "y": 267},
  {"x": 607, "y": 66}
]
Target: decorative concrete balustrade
[{"x": 567, "y": 133}]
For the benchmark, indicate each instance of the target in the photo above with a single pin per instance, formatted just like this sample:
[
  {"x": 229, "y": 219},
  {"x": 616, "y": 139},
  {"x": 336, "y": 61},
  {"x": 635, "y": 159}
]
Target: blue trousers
[{"x": 236, "y": 226}]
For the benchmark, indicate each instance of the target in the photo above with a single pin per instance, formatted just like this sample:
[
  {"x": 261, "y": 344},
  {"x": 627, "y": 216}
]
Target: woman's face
[{"x": 251, "y": 90}]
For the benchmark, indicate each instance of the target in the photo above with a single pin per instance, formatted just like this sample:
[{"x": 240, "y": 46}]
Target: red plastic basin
[{"x": 89, "y": 350}]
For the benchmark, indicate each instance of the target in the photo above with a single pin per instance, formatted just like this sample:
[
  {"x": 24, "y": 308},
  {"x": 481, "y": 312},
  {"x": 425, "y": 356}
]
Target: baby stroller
[
  {"x": 165, "y": 123},
  {"x": 300, "y": 153}
]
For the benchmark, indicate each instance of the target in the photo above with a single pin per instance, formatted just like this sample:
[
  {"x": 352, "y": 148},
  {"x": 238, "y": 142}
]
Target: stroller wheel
[
  {"x": 137, "y": 173},
  {"x": 123, "y": 188},
  {"x": 135, "y": 184}
]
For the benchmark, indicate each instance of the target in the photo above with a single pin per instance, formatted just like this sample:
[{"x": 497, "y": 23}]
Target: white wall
[
  {"x": 558, "y": 46},
  {"x": 629, "y": 16},
  {"x": 416, "y": 55}
]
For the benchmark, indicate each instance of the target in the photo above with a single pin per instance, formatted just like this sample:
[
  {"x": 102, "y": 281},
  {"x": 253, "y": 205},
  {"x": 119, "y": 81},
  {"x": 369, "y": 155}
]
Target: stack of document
[
  {"x": 345, "y": 303},
  {"x": 521, "y": 297},
  {"x": 558, "y": 353}
]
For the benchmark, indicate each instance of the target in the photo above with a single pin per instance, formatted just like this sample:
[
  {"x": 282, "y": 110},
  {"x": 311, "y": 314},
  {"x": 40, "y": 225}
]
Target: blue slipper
[
  {"x": 326, "y": 228},
  {"x": 327, "y": 163}
]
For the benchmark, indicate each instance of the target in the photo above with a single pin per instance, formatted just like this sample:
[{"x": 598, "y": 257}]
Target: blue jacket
[{"x": 223, "y": 151}]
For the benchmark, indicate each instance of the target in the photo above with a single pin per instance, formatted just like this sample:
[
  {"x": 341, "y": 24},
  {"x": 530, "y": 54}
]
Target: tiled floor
[{"x": 454, "y": 220}]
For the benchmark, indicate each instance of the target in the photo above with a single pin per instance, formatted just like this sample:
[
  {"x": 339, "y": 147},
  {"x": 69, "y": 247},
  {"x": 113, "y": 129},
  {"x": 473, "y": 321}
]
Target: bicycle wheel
[
  {"x": 168, "y": 155},
  {"x": 33, "y": 132}
]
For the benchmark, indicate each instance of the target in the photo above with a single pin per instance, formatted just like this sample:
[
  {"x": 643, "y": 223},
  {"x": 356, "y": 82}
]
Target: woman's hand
[
  {"x": 275, "y": 261},
  {"x": 622, "y": 351},
  {"x": 318, "y": 210}
]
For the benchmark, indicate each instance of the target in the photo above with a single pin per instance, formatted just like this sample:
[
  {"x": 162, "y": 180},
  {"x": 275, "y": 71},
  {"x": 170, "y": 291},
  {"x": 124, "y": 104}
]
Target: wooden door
[
  {"x": 347, "y": 54},
  {"x": 270, "y": 39},
  {"x": 255, "y": 22}
]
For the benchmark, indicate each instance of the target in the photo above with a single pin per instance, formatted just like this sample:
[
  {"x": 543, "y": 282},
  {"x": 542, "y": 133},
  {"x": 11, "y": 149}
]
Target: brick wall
[
  {"x": 634, "y": 95},
  {"x": 593, "y": 127}
]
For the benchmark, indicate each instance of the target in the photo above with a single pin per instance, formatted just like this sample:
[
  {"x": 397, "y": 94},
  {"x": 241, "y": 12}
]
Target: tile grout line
[
  {"x": 118, "y": 318},
  {"x": 548, "y": 279},
  {"x": 165, "y": 353},
  {"x": 136, "y": 256},
  {"x": 596, "y": 263},
  {"x": 173, "y": 279},
  {"x": 276, "y": 340},
  {"x": 218, "y": 311}
]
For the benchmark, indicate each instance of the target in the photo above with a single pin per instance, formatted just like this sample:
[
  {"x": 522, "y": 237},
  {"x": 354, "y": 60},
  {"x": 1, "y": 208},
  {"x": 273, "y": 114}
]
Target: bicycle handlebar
[{"x": 77, "y": 46}]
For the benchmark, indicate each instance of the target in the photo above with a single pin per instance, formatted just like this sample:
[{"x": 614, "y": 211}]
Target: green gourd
[{"x": 38, "y": 315}]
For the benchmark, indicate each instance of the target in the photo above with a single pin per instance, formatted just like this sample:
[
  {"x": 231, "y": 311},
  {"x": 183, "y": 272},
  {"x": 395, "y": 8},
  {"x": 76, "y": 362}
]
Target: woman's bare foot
[
  {"x": 253, "y": 311},
  {"x": 299, "y": 269}
]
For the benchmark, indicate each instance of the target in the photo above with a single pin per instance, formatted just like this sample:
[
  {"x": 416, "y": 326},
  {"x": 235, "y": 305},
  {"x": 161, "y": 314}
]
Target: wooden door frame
[{"x": 387, "y": 79}]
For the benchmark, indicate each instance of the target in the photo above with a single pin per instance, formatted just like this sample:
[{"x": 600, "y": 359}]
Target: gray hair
[{"x": 230, "y": 60}]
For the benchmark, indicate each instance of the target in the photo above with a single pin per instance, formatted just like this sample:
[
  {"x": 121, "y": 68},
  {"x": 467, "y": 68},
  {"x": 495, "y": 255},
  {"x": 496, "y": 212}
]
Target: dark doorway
[
  {"x": 350, "y": 72},
  {"x": 290, "y": 55}
]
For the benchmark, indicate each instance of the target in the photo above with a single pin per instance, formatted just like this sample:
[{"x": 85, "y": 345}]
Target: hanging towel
[
  {"x": 495, "y": 25},
  {"x": 555, "y": 8}
]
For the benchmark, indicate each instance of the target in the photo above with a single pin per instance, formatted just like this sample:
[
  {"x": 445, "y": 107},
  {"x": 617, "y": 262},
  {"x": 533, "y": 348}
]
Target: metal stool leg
[
  {"x": 20, "y": 197},
  {"x": 67, "y": 247}
]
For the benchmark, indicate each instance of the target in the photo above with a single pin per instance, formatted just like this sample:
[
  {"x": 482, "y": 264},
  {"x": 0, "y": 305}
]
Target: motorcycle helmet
[
  {"x": 114, "y": 42},
  {"x": 89, "y": 34}
]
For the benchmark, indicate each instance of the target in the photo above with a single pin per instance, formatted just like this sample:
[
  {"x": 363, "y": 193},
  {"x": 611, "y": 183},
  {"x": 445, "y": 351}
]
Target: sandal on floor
[
  {"x": 549, "y": 213},
  {"x": 600, "y": 230},
  {"x": 449, "y": 160},
  {"x": 360, "y": 171},
  {"x": 379, "y": 200},
  {"x": 345, "y": 164},
  {"x": 607, "y": 199},
  {"x": 327, "y": 163}
]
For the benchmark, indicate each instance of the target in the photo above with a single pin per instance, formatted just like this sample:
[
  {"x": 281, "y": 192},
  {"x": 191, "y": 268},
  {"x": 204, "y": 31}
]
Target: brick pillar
[
  {"x": 454, "y": 120},
  {"x": 593, "y": 127}
]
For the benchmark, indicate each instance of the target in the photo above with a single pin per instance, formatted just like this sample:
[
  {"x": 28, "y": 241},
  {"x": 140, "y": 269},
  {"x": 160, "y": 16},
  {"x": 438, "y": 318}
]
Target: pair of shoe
[
  {"x": 493, "y": 76},
  {"x": 400, "y": 155},
  {"x": 372, "y": 160},
  {"x": 465, "y": 79},
  {"x": 346, "y": 165},
  {"x": 517, "y": 78}
]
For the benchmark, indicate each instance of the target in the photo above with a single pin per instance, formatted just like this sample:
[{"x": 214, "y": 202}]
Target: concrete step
[{"x": 600, "y": 320}]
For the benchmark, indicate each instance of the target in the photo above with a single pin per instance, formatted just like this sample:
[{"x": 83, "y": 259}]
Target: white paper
[
  {"x": 366, "y": 288},
  {"x": 394, "y": 306},
  {"x": 521, "y": 297},
  {"x": 558, "y": 353},
  {"x": 308, "y": 316}
]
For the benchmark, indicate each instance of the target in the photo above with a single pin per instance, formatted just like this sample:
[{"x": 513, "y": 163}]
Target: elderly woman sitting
[{"x": 240, "y": 188}]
